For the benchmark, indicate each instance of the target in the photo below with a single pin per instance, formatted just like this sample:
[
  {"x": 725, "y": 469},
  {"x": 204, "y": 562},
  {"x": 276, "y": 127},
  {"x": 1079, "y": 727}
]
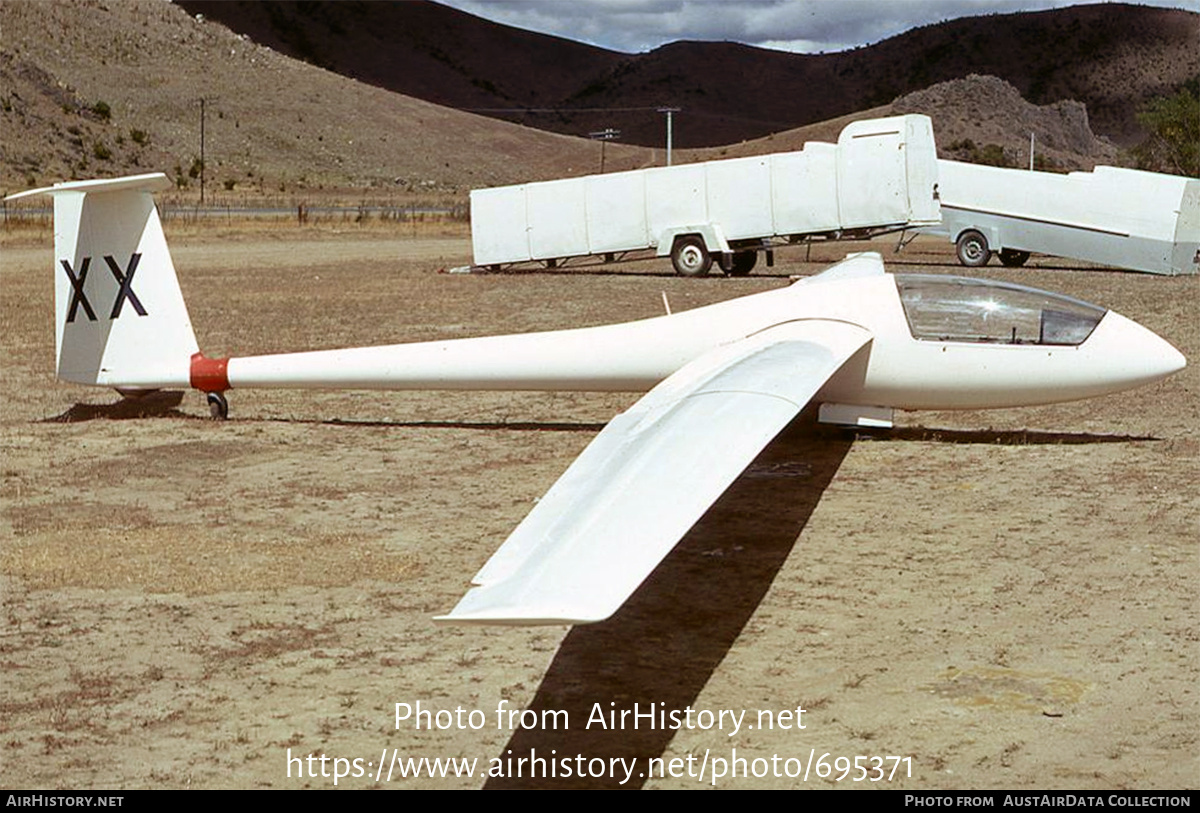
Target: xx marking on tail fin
[
  {"x": 124, "y": 292},
  {"x": 125, "y": 281},
  {"x": 78, "y": 297}
]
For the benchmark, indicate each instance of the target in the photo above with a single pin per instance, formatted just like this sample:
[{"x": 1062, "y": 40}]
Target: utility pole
[
  {"x": 669, "y": 111},
  {"x": 201, "y": 150},
  {"x": 603, "y": 136}
]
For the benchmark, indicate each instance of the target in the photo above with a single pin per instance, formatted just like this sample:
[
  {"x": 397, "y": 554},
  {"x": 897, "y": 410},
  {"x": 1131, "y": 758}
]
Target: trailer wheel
[
  {"x": 690, "y": 257},
  {"x": 972, "y": 248},
  {"x": 1013, "y": 258},
  {"x": 743, "y": 263}
]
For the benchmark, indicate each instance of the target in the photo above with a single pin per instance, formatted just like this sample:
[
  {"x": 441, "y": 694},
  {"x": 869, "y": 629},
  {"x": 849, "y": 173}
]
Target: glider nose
[{"x": 1135, "y": 355}]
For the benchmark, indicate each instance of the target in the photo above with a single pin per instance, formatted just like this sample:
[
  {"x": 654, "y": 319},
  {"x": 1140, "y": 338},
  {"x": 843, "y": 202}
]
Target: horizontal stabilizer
[{"x": 150, "y": 182}]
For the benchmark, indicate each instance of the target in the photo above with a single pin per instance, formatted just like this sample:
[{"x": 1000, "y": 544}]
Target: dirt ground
[{"x": 1005, "y": 599}]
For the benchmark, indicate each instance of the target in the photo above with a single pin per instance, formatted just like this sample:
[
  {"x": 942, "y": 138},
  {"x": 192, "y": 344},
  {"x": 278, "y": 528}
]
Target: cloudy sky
[{"x": 805, "y": 26}]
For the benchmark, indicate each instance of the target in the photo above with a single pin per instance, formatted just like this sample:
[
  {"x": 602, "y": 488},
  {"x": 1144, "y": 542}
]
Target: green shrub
[{"x": 1174, "y": 123}]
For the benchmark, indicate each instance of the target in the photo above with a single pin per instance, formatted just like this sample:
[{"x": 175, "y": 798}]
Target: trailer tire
[
  {"x": 690, "y": 257},
  {"x": 972, "y": 249},
  {"x": 743, "y": 263},
  {"x": 1012, "y": 258}
]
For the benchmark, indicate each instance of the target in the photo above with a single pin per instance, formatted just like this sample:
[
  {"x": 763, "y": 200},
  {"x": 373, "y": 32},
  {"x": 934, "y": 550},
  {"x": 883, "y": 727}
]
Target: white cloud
[{"x": 806, "y": 26}]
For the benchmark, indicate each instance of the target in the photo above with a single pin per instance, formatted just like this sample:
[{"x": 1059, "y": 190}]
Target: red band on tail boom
[{"x": 209, "y": 375}]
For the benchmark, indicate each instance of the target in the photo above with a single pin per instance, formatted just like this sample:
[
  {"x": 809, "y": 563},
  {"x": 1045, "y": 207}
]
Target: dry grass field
[{"x": 1008, "y": 598}]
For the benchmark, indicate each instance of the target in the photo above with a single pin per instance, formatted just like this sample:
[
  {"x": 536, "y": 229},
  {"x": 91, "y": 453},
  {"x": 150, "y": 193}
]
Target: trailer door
[
  {"x": 557, "y": 214},
  {"x": 499, "y": 229},
  {"x": 872, "y": 177},
  {"x": 616, "y": 212},
  {"x": 739, "y": 197}
]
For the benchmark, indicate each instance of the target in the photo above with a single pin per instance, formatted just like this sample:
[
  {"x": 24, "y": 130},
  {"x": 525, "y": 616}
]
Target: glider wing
[{"x": 651, "y": 474}]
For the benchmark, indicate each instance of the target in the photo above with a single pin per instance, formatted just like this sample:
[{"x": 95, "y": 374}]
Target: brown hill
[
  {"x": 420, "y": 49},
  {"x": 1111, "y": 57},
  {"x": 984, "y": 110},
  {"x": 973, "y": 118},
  {"x": 101, "y": 88},
  {"x": 98, "y": 89}
]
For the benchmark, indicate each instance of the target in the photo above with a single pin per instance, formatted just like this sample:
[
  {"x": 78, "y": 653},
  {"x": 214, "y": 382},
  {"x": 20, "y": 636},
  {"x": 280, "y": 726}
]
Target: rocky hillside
[
  {"x": 980, "y": 119},
  {"x": 972, "y": 113},
  {"x": 98, "y": 88}
]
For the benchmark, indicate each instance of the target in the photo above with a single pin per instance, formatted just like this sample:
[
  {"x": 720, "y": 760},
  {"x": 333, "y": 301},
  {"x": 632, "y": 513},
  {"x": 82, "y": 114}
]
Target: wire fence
[{"x": 28, "y": 215}]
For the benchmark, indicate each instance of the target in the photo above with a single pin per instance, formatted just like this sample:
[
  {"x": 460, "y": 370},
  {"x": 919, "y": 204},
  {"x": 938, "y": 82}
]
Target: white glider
[{"x": 723, "y": 380}]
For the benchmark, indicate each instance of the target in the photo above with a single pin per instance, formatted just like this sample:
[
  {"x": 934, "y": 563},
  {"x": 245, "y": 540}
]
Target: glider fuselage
[{"x": 1000, "y": 364}]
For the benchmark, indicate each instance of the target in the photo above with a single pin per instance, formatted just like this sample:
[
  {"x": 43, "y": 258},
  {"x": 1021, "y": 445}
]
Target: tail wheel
[
  {"x": 972, "y": 249},
  {"x": 1012, "y": 258},
  {"x": 218, "y": 406},
  {"x": 690, "y": 257}
]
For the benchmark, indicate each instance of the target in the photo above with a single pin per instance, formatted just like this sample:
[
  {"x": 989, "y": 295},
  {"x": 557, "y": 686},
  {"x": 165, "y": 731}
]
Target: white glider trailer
[
  {"x": 1124, "y": 218},
  {"x": 880, "y": 177}
]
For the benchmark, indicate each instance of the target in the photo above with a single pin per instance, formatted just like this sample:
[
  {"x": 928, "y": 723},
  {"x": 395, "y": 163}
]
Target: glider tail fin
[{"x": 120, "y": 318}]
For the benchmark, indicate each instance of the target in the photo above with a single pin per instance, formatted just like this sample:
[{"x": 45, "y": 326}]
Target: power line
[
  {"x": 559, "y": 109},
  {"x": 692, "y": 113},
  {"x": 731, "y": 117}
]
